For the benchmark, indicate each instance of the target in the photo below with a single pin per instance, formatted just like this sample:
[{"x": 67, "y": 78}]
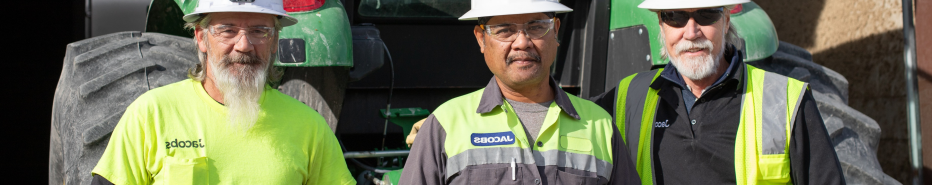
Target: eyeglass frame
[
  {"x": 271, "y": 33},
  {"x": 488, "y": 29}
]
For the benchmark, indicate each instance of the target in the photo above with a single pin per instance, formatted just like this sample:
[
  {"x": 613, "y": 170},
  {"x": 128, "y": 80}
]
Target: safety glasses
[
  {"x": 257, "y": 35},
  {"x": 704, "y": 17},
  {"x": 509, "y": 31}
]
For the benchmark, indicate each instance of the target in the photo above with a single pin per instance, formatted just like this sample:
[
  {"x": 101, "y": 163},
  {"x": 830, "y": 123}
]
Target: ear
[
  {"x": 556, "y": 29},
  {"x": 201, "y": 41},
  {"x": 480, "y": 37},
  {"x": 727, "y": 21}
]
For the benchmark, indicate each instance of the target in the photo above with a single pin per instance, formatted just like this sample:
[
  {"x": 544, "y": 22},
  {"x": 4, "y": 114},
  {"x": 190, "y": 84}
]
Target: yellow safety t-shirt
[{"x": 178, "y": 135}]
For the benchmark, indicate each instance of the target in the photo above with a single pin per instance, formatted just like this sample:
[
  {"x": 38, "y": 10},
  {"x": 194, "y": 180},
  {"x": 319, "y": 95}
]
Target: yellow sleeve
[
  {"x": 124, "y": 162},
  {"x": 327, "y": 165}
]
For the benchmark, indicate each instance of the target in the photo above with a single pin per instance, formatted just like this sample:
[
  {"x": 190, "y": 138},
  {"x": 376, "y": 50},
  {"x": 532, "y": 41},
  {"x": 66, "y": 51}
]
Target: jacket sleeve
[
  {"x": 812, "y": 156},
  {"x": 426, "y": 163},
  {"x": 623, "y": 171}
]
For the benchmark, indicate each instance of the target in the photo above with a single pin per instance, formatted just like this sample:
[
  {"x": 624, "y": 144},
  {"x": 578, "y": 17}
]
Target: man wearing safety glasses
[
  {"x": 521, "y": 128},
  {"x": 709, "y": 118},
  {"x": 225, "y": 125}
]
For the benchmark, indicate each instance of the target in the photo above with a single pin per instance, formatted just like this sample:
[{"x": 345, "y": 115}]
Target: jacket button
[
  {"x": 693, "y": 122},
  {"x": 536, "y": 181},
  {"x": 540, "y": 144}
]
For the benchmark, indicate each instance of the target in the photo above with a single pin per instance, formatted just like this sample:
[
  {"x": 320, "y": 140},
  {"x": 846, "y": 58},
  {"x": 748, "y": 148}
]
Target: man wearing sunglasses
[
  {"x": 709, "y": 118},
  {"x": 225, "y": 125},
  {"x": 521, "y": 128}
]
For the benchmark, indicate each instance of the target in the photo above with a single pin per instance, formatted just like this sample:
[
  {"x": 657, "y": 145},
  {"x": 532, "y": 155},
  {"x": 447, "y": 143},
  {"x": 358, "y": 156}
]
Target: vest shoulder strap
[
  {"x": 769, "y": 106},
  {"x": 635, "y": 106},
  {"x": 779, "y": 98}
]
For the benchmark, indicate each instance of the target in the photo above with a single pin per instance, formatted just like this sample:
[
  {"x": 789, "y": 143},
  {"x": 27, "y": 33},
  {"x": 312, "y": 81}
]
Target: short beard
[
  {"x": 696, "y": 68},
  {"x": 242, "y": 86}
]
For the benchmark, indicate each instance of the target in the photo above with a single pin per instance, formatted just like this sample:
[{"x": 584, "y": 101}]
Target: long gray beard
[
  {"x": 696, "y": 68},
  {"x": 241, "y": 88}
]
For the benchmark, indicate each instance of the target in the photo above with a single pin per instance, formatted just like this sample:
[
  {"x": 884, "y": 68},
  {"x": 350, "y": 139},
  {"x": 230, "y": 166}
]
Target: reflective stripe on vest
[
  {"x": 762, "y": 162},
  {"x": 566, "y": 142},
  {"x": 503, "y": 155}
]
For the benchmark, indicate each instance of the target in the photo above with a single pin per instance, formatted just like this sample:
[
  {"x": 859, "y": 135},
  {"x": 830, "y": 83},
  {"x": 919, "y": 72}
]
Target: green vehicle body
[
  {"x": 325, "y": 31},
  {"x": 326, "y": 34}
]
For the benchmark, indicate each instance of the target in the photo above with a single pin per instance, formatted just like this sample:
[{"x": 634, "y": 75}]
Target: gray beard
[
  {"x": 241, "y": 88},
  {"x": 696, "y": 68}
]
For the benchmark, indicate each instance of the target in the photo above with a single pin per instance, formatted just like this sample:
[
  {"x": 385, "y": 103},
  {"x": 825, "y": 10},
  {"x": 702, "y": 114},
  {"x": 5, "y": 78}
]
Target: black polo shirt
[{"x": 697, "y": 146}]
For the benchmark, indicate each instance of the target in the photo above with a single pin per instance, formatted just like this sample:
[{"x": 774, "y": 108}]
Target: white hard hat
[
  {"x": 273, "y": 7},
  {"x": 489, "y": 8},
  {"x": 684, "y": 4}
]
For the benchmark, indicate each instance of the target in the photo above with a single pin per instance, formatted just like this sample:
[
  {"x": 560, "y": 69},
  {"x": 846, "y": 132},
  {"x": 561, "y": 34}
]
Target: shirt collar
[
  {"x": 492, "y": 97},
  {"x": 672, "y": 75}
]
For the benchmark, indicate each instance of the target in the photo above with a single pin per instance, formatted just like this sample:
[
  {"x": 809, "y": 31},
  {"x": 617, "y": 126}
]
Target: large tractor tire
[
  {"x": 100, "y": 78},
  {"x": 321, "y": 88},
  {"x": 854, "y": 135}
]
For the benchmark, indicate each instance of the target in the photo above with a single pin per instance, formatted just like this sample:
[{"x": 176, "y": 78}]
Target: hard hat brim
[
  {"x": 516, "y": 8},
  {"x": 686, "y": 4},
  {"x": 286, "y": 19}
]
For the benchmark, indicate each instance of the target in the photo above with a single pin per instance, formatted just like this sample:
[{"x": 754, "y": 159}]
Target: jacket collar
[{"x": 492, "y": 97}]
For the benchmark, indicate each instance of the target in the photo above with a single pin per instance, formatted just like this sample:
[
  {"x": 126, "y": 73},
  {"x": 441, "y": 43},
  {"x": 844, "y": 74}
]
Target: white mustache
[{"x": 684, "y": 46}]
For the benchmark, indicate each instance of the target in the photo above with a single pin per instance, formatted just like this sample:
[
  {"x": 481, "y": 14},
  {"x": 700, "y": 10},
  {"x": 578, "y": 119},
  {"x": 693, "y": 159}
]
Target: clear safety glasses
[
  {"x": 508, "y": 32},
  {"x": 257, "y": 35}
]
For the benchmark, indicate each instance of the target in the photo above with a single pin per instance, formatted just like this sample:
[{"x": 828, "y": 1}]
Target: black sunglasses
[{"x": 704, "y": 17}]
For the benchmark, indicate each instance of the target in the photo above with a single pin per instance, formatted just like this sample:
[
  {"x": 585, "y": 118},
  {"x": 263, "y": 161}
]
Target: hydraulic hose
[
  {"x": 364, "y": 166},
  {"x": 391, "y": 88}
]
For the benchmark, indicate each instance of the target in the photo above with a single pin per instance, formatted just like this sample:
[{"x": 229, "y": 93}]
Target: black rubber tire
[
  {"x": 321, "y": 88},
  {"x": 855, "y": 136},
  {"x": 100, "y": 78}
]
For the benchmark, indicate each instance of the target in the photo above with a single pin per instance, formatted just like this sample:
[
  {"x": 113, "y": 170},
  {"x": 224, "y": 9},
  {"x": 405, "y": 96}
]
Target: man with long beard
[
  {"x": 225, "y": 125},
  {"x": 521, "y": 128},
  {"x": 708, "y": 118}
]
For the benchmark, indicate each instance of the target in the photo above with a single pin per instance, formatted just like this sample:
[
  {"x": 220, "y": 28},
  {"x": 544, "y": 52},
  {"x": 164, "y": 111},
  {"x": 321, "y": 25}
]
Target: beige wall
[{"x": 862, "y": 40}]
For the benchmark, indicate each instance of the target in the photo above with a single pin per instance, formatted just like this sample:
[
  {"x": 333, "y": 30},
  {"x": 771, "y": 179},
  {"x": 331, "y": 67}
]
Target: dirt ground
[{"x": 862, "y": 40}]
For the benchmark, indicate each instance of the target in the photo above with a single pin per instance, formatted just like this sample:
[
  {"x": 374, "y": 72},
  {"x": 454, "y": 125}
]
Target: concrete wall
[{"x": 862, "y": 40}]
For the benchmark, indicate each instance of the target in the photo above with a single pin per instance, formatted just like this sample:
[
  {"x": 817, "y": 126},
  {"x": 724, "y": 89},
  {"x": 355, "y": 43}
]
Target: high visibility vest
[
  {"x": 761, "y": 152},
  {"x": 498, "y": 137}
]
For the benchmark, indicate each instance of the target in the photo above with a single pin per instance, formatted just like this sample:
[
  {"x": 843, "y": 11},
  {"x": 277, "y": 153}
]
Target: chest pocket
[
  {"x": 575, "y": 143},
  {"x": 185, "y": 171},
  {"x": 774, "y": 168},
  {"x": 576, "y": 137},
  {"x": 496, "y": 175}
]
